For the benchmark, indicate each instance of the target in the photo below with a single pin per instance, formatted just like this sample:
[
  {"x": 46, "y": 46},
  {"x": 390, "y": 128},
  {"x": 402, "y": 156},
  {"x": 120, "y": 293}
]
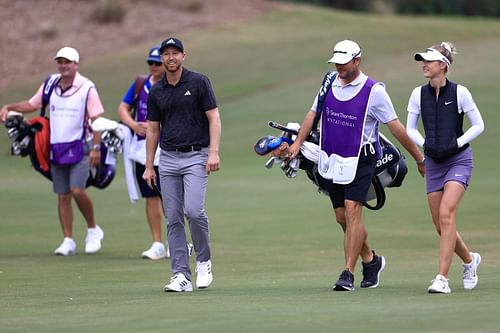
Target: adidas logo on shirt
[{"x": 187, "y": 93}]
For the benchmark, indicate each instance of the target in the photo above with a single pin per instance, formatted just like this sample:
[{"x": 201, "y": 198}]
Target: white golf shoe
[
  {"x": 93, "y": 240},
  {"x": 67, "y": 247},
  {"x": 439, "y": 285},
  {"x": 156, "y": 252},
  {"x": 204, "y": 277},
  {"x": 470, "y": 271},
  {"x": 178, "y": 283}
]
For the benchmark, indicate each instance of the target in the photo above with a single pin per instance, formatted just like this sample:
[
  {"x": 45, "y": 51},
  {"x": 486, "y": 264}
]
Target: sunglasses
[{"x": 154, "y": 63}]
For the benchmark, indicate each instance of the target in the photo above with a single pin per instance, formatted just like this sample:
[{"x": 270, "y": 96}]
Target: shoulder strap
[
  {"x": 139, "y": 83},
  {"x": 48, "y": 86},
  {"x": 325, "y": 87}
]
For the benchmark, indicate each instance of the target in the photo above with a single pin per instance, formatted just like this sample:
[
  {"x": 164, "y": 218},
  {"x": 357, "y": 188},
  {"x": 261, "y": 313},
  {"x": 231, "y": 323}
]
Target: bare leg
[
  {"x": 85, "y": 206},
  {"x": 443, "y": 207},
  {"x": 154, "y": 214},
  {"x": 355, "y": 234},
  {"x": 65, "y": 214},
  {"x": 366, "y": 253}
]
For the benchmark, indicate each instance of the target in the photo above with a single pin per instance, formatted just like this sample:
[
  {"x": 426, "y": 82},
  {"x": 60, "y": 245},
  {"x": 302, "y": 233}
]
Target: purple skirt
[{"x": 457, "y": 168}]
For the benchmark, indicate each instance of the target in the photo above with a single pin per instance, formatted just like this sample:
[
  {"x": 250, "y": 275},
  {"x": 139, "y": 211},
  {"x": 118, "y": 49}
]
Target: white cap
[
  {"x": 68, "y": 53},
  {"x": 432, "y": 55},
  {"x": 345, "y": 51}
]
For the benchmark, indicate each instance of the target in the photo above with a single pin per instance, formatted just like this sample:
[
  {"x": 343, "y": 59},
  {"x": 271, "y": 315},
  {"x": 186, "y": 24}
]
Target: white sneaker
[
  {"x": 439, "y": 285},
  {"x": 204, "y": 277},
  {"x": 178, "y": 283},
  {"x": 470, "y": 271},
  {"x": 93, "y": 240},
  {"x": 156, "y": 252},
  {"x": 67, "y": 247}
]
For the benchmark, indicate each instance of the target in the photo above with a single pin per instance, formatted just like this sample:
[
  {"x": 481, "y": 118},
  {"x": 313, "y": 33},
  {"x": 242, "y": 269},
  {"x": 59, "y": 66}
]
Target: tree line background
[{"x": 421, "y": 7}]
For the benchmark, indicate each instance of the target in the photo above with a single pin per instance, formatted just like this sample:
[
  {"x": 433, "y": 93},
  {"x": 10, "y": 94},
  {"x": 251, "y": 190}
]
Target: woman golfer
[{"x": 442, "y": 105}]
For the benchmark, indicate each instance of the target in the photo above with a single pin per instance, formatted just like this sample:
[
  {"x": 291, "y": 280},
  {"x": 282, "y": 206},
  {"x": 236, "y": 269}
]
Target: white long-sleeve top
[{"x": 465, "y": 104}]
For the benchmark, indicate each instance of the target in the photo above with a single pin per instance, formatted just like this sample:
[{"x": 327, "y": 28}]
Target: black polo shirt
[{"x": 180, "y": 109}]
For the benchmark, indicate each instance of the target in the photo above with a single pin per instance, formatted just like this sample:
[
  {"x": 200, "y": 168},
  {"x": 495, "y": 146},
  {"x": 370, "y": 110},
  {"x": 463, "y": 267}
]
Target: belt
[{"x": 185, "y": 149}]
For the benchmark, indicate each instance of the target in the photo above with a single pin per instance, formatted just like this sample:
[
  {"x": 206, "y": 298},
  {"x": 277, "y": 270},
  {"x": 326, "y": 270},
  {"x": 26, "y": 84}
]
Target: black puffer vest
[{"x": 442, "y": 122}]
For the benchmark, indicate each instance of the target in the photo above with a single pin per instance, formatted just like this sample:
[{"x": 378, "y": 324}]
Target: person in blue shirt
[{"x": 133, "y": 112}]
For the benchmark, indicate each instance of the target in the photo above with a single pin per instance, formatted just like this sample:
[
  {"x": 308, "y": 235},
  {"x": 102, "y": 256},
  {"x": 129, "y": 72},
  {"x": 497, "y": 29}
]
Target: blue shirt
[{"x": 129, "y": 96}]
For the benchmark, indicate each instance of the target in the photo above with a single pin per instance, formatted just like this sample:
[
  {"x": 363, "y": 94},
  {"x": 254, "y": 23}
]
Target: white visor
[{"x": 431, "y": 55}]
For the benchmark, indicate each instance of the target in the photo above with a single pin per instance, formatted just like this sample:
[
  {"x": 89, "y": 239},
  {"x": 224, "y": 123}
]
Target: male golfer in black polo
[{"x": 183, "y": 116}]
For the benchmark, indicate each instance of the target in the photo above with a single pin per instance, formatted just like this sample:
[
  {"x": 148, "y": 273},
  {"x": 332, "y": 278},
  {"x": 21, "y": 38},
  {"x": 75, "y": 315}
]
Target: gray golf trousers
[{"x": 183, "y": 181}]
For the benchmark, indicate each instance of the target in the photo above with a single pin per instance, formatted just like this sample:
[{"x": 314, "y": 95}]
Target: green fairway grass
[{"x": 277, "y": 249}]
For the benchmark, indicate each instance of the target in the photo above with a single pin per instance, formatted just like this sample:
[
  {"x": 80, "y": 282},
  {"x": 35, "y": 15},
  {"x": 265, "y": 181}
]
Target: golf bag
[
  {"x": 32, "y": 138},
  {"x": 390, "y": 171}
]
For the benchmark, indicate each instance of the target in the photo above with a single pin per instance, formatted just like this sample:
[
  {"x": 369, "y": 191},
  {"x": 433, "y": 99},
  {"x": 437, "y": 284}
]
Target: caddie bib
[
  {"x": 67, "y": 116},
  {"x": 342, "y": 126},
  {"x": 137, "y": 151},
  {"x": 142, "y": 106}
]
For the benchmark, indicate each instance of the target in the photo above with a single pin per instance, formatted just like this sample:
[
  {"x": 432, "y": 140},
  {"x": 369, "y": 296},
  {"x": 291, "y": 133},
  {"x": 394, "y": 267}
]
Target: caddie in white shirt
[{"x": 351, "y": 110}]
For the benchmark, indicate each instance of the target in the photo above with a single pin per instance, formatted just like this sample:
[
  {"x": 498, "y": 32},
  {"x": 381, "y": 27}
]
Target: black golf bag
[{"x": 390, "y": 171}]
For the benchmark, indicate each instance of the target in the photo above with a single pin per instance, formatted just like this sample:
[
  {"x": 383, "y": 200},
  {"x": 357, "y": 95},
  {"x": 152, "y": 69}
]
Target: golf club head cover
[{"x": 261, "y": 147}]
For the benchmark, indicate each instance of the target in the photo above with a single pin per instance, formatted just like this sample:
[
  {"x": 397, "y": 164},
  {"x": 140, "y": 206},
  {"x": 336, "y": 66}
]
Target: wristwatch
[{"x": 96, "y": 147}]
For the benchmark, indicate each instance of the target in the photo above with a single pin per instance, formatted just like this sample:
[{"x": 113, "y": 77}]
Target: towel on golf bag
[
  {"x": 32, "y": 138},
  {"x": 390, "y": 171},
  {"x": 39, "y": 154}
]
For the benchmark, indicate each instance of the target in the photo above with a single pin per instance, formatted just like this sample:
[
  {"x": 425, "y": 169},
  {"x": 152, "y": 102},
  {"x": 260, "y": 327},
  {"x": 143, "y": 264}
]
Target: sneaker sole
[
  {"x": 342, "y": 288},
  {"x": 93, "y": 252},
  {"x": 378, "y": 275},
  {"x": 167, "y": 290},
  {"x": 72, "y": 253},
  {"x": 203, "y": 286},
  {"x": 433, "y": 291},
  {"x": 154, "y": 258}
]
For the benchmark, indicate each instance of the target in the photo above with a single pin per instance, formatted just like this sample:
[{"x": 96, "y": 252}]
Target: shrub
[{"x": 108, "y": 11}]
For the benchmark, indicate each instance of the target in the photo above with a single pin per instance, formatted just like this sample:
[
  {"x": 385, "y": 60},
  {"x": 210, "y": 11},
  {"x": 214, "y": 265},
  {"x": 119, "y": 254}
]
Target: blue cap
[
  {"x": 154, "y": 54},
  {"x": 171, "y": 41}
]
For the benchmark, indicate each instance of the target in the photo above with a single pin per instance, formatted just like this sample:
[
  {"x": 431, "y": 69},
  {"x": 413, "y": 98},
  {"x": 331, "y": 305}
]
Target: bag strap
[
  {"x": 379, "y": 193},
  {"x": 325, "y": 87},
  {"x": 48, "y": 86},
  {"x": 139, "y": 83}
]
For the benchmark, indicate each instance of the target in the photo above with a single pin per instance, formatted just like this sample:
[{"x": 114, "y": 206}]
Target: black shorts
[
  {"x": 146, "y": 191},
  {"x": 358, "y": 189}
]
